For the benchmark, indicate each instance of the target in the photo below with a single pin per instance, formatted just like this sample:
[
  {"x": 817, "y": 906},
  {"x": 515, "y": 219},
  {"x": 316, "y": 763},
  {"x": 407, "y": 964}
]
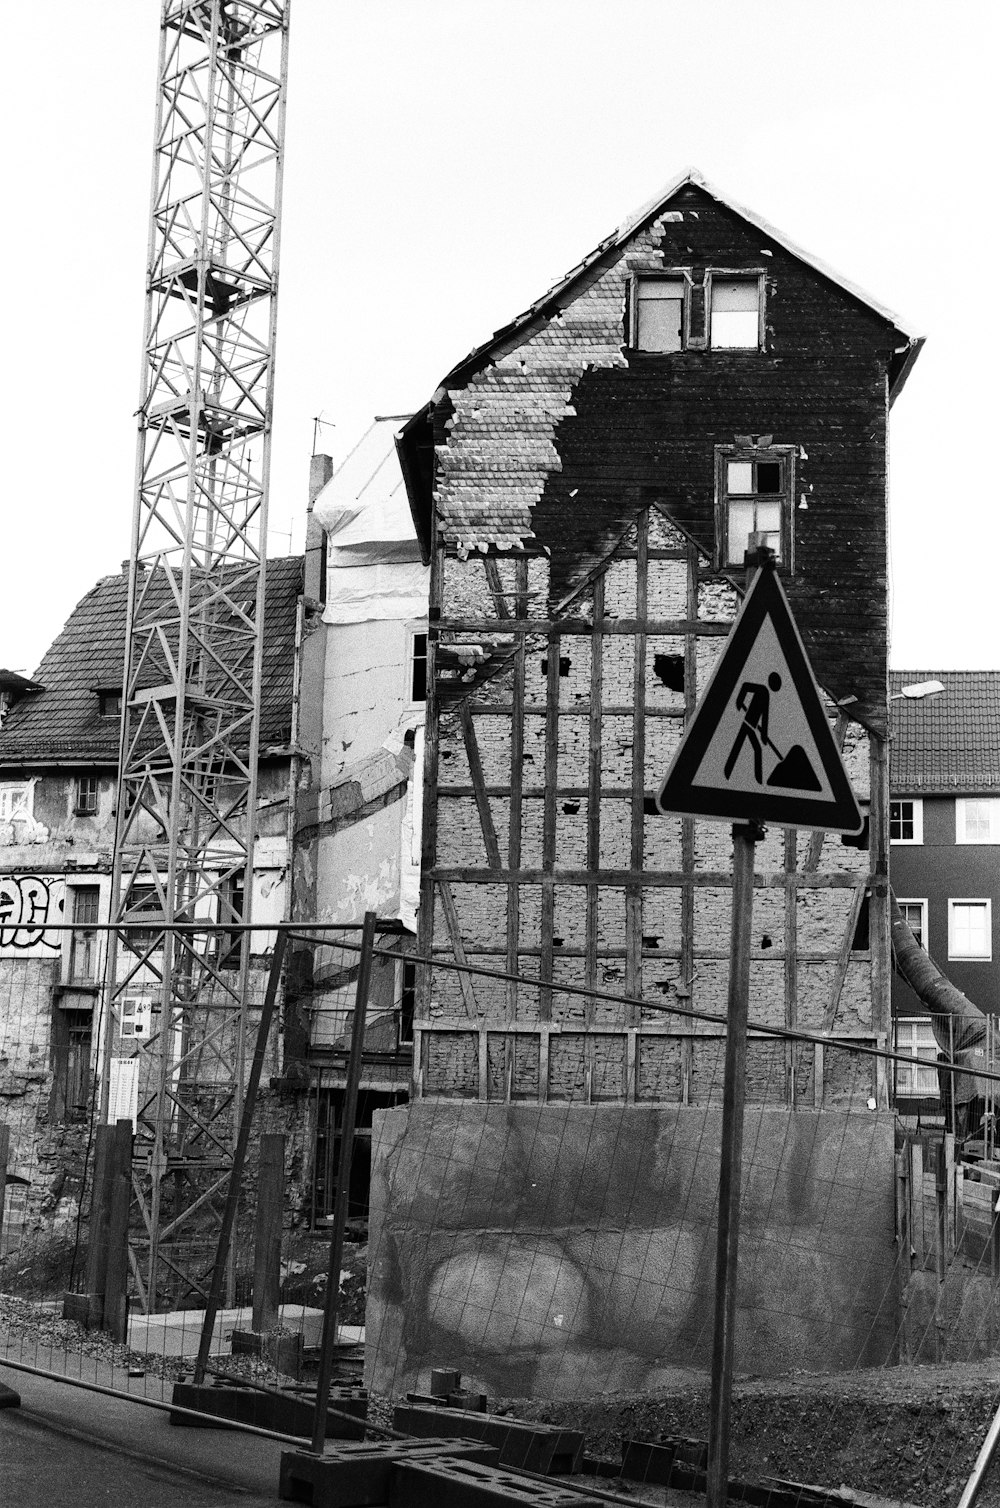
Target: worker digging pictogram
[{"x": 760, "y": 746}]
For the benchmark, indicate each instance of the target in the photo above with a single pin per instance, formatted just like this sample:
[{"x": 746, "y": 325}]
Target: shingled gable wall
[{"x": 573, "y": 546}]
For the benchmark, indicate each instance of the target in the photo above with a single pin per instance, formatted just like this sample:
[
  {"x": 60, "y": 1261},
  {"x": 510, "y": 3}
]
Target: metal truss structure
[{"x": 187, "y": 794}]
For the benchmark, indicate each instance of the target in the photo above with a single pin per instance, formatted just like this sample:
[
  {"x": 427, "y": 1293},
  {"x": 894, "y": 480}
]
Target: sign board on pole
[{"x": 760, "y": 747}]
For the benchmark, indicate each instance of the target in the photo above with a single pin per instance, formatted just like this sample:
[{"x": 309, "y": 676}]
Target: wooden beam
[
  {"x": 496, "y": 586},
  {"x": 663, "y": 878},
  {"x": 543, "y": 627},
  {"x": 514, "y": 832},
  {"x": 596, "y": 713},
  {"x": 791, "y": 964},
  {"x": 479, "y": 787},
  {"x": 687, "y": 823},
  {"x": 457, "y": 947},
  {"x": 429, "y": 823},
  {"x": 878, "y": 907},
  {"x": 815, "y": 849},
  {"x": 549, "y": 821},
  {"x": 844, "y": 957},
  {"x": 633, "y": 893}
]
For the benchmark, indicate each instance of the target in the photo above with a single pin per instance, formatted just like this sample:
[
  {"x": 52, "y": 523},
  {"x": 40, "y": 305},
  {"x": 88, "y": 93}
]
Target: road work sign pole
[{"x": 745, "y": 836}]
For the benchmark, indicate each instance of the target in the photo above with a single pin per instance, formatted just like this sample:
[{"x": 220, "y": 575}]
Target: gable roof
[
  {"x": 416, "y": 439},
  {"x": 62, "y": 724},
  {"x": 948, "y": 744}
]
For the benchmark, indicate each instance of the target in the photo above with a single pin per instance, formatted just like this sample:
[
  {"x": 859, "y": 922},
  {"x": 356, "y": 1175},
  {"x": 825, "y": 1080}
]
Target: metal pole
[
  {"x": 239, "y": 1157},
  {"x": 329, "y": 1339},
  {"x": 745, "y": 836}
]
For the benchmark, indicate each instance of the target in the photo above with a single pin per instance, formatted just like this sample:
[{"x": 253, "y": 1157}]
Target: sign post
[{"x": 758, "y": 749}]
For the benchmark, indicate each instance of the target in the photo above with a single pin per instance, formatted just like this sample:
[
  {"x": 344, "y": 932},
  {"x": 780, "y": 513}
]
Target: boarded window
[
  {"x": 734, "y": 323},
  {"x": 659, "y": 314}
]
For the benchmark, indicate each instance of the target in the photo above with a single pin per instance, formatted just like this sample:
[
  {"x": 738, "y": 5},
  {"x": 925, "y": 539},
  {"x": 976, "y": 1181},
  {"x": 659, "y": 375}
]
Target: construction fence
[{"x": 346, "y": 1206}]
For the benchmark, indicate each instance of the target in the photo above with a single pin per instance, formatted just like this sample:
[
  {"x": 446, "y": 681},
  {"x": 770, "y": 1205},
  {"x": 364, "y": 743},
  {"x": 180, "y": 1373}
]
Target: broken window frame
[
  {"x": 659, "y": 275},
  {"x": 747, "y": 275},
  {"x": 915, "y": 820},
  {"x": 784, "y": 456}
]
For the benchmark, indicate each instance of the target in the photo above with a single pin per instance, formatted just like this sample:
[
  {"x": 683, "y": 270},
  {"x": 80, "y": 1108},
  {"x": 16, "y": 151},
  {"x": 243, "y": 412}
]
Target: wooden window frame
[
  {"x": 918, "y": 822},
  {"x": 659, "y": 275},
  {"x": 413, "y": 632},
  {"x": 83, "y": 806},
  {"x": 732, "y": 275},
  {"x": 910, "y": 900},
  {"x": 971, "y": 900},
  {"x": 786, "y": 456},
  {"x": 961, "y": 802}
]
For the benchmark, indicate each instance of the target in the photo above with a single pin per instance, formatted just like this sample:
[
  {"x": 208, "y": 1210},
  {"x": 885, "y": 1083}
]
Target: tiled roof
[
  {"x": 63, "y": 722},
  {"x": 949, "y": 742}
]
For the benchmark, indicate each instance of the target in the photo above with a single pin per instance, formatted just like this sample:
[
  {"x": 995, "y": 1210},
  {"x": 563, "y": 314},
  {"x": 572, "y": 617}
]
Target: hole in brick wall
[
  {"x": 571, "y": 808},
  {"x": 447, "y": 754},
  {"x": 861, "y": 939},
  {"x": 564, "y": 664},
  {"x": 528, "y": 758},
  {"x": 766, "y": 942},
  {"x": 649, "y": 807},
  {"x": 650, "y": 941},
  {"x": 664, "y": 986},
  {"x": 670, "y": 670},
  {"x": 557, "y": 942}
]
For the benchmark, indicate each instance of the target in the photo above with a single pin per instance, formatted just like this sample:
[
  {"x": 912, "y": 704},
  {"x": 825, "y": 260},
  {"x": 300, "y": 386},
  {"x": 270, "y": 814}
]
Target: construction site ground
[{"x": 906, "y": 1434}]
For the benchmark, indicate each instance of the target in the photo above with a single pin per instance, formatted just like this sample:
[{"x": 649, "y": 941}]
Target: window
[
  {"x": 915, "y": 916},
  {"x": 977, "y": 820},
  {"x": 970, "y": 933},
  {"x": 407, "y": 1000},
  {"x": 906, "y": 821},
  {"x": 15, "y": 799},
  {"x": 418, "y": 667},
  {"x": 84, "y": 944},
  {"x": 754, "y": 498},
  {"x": 232, "y": 908},
  {"x": 915, "y": 1037},
  {"x": 85, "y": 804},
  {"x": 109, "y": 703},
  {"x": 658, "y": 313},
  {"x": 142, "y": 902},
  {"x": 735, "y": 312}
]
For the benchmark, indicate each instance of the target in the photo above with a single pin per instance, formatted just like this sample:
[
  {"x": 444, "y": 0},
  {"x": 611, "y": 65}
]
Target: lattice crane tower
[{"x": 190, "y": 710}]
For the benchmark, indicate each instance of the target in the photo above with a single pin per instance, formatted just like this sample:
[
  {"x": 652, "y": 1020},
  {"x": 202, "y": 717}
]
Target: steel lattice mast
[{"x": 191, "y": 705}]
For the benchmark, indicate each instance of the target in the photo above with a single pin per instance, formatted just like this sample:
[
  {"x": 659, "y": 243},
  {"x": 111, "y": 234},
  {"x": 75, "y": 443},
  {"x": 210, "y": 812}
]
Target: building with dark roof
[
  {"x": 58, "y": 762},
  {"x": 944, "y": 832}
]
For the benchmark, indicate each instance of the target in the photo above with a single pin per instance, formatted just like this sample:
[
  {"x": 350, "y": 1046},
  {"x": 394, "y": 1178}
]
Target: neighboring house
[
  {"x": 944, "y": 830},
  {"x": 586, "y": 485},
  {"x": 58, "y": 760},
  {"x": 360, "y": 733}
]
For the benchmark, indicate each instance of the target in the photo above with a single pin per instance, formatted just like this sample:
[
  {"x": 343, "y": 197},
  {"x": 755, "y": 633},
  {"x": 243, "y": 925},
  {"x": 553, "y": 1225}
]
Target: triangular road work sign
[{"x": 760, "y": 747}]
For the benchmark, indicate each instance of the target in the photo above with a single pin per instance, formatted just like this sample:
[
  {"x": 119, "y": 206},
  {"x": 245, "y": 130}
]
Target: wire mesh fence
[{"x": 545, "y": 1244}]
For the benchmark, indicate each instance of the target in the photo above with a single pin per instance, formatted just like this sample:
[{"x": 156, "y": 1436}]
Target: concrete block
[
  {"x": 179, "y": 1332},
  {"x": 523, "y": 1446},
  {"x": 359, "y": 1475},
  {"x": 450, "y": 1483},
  {"x": 286, "y": 1414}
]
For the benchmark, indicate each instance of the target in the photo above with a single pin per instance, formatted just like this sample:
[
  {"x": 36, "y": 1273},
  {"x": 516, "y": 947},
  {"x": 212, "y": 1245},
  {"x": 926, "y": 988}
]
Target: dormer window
[
  {"x": 735, "y": 307},
  {"x": 658, "y": 313},
  {"x": 109, "y": 703}
]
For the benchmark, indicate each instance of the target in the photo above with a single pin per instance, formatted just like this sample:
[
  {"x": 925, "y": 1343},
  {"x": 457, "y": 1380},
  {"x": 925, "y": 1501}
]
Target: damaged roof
[
  {"x": 947, "y": 744},
  {"x": 62, "y": 723}
]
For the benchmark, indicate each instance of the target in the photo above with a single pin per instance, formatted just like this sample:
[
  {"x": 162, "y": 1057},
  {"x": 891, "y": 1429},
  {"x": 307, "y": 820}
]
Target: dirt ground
[{"x": 907, "y": 1434}]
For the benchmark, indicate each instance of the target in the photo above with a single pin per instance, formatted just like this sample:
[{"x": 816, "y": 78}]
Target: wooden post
[
  {"x": 745, "y": 837},
  {"x": 239, "y": 1158},
  {"x": 905, "y": 1246},
  {"x": 115, "y": 1295},
  {"x": 917, "y": 1233},
  {"x": 4, "y": 1158},
  {"x": 267, "y": 1234},
  {"x": 941, "y": 1250},
  {"x": 97, "y": 1229},
  {"x": 329, "y": 1338}
]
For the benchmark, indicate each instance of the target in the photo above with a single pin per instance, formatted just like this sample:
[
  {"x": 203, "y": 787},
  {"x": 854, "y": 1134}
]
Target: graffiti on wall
[{"x": 28, "y": 904}]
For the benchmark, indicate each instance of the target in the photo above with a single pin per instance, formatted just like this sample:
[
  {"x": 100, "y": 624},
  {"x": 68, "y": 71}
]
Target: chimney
[{"x": 320, "y": 472}]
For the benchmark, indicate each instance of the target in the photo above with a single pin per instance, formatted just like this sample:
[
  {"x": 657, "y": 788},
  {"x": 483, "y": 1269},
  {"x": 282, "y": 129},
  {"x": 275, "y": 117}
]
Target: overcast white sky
[{"x": 447, "y": 160}]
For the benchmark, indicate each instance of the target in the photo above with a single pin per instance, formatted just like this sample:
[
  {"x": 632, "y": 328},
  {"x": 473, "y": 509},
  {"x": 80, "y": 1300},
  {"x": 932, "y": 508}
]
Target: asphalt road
[{"x": 64, "y": 1445}]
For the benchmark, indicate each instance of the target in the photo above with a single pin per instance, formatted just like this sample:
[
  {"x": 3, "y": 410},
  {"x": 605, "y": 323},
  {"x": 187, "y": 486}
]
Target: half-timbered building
[{"x": 586, "y": 486}]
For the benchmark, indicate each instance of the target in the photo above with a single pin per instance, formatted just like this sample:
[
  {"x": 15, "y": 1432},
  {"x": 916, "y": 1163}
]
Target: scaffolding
[{"x": 190, "y": 711}]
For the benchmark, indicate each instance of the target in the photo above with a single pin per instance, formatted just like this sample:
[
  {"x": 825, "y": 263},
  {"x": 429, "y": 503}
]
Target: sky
[{"x": 446, "y": 162}]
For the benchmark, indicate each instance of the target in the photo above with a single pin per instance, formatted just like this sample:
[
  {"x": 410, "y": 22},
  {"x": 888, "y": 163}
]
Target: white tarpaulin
[{"x": 373, "y": 559}]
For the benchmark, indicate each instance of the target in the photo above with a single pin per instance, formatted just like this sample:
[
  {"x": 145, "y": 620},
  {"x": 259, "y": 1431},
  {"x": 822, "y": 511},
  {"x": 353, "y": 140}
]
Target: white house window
[
  {"x": 16, "y": 799},
  {"x": 915, "y": 1038},
  {"x": 754, "y": 491},
  {"x": 970, "y": 929},
  {"x": 85, "y": 803},
  {"x": 915, "y": 916},
  {"x": 977, "y": 819},
  {"x": 735, "y": 313},
  {"x": 906, "y": 821},
  {"x": 658, "y": 313}
]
